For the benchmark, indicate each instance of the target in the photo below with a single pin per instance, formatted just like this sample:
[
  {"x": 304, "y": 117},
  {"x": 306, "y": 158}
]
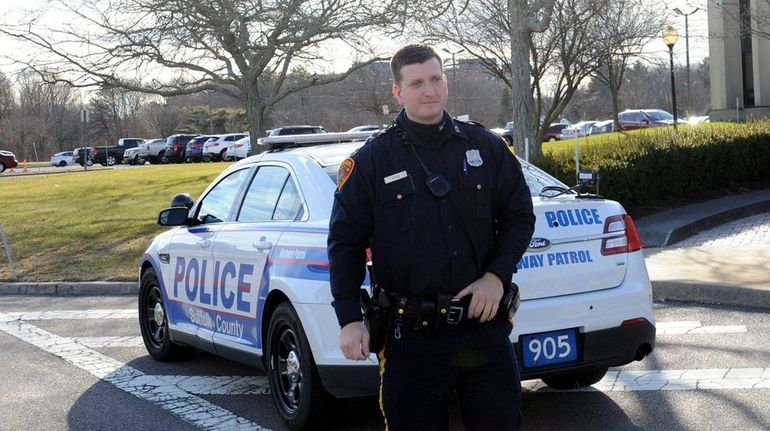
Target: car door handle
[
  {"x": 262, "y": 244},
  {"x": 204, "y": 243}
]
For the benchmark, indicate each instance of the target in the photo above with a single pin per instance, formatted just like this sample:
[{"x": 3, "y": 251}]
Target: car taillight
[
  {"x": 627, "y": 242},
  {"x": 95, "y": 152}
]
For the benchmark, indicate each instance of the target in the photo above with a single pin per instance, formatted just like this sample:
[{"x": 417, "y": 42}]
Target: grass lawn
[{"x": 94, "y": 225}]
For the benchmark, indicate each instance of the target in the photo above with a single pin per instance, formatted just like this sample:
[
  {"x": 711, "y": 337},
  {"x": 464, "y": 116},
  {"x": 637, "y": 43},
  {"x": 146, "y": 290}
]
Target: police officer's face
[{"x": 422, "y": 92}]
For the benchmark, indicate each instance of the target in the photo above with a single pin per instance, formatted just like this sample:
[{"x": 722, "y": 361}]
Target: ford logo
[{"x": 539, "y": 244}]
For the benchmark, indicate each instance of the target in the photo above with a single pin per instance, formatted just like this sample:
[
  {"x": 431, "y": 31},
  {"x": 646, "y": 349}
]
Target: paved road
[{"x": 79, "y": 363}]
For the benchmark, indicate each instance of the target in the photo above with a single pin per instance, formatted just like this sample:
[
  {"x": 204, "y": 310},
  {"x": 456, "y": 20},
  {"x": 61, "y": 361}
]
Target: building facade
[{"x": 739, "y": 57}]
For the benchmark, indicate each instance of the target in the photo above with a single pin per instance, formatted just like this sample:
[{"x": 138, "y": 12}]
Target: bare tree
[
  {"x": 114, "y": 115},
  {"x": 372, "y": 89},
  {"x": 242, "y": 48},
  {"x": 623, "y": 27},
  {"x": 161, "y": 119}
]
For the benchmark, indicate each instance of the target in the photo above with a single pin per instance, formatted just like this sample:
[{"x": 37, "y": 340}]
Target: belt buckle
[{"x": 455, "y": 315}]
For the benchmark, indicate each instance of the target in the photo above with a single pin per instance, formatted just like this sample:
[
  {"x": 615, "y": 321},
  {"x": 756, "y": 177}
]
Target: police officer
[{"x": 445, "y": 210}]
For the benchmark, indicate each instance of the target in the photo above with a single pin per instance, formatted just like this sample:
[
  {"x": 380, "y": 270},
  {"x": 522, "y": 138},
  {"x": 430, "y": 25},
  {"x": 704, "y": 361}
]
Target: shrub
[{"x": 646, "y": 166}]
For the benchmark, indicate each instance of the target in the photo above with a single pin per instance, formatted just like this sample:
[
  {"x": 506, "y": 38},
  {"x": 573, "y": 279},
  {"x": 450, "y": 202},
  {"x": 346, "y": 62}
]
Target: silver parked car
[{"x": 62, "y": 159}]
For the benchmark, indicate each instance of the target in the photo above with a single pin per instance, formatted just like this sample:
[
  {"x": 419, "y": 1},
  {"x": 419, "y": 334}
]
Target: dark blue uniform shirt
[{"x": 421, "y": 244}]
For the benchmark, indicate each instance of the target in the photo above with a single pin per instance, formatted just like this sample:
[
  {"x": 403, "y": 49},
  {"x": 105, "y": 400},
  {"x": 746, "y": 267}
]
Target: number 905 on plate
[{"x": 548, "y": 348}]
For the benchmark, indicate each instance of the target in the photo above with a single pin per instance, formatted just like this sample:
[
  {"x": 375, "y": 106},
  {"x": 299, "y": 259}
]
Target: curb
[
  {"x": 668, "y": 227},
  {"x": 711, "y": 294},
  {"x": 89, "y": 288}
]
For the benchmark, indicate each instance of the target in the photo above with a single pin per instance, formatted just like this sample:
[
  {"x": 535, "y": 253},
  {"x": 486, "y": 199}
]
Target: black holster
[
  {"x": 510, "y": 300},
  {"x": 378, "y": 317}
]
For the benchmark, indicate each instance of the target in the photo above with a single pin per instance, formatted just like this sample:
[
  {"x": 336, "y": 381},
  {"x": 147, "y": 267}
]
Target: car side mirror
[{"x": 174, "y": 216}]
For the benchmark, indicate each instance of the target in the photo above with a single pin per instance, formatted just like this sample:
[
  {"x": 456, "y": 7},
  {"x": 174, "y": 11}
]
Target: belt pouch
[
  {"x": 443, "y": 302},
  {"x": 426, "y": 315}
]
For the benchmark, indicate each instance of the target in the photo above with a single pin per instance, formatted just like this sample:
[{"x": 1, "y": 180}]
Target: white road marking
[
  {"x": 130, "y": 313},
  {"x": 220, "y": 385},
  {"x": 671, "y": 380},
  {"x": 180, "y": 403},
  {"x": 695, "y": 327},
  {"x": 101, "y": 342}
]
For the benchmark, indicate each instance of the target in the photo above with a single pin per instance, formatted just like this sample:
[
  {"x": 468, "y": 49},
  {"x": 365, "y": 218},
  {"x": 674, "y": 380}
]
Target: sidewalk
[{"x": 734, "y": 271}]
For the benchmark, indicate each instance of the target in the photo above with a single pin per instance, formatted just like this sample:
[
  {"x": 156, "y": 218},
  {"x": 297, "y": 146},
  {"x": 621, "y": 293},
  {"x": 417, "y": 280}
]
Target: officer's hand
[
  {"x": 354, "y": 341},
  {"x": 487, "y": 292}
]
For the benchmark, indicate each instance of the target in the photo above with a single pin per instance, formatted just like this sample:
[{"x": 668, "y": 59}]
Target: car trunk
[{"x": 571, "y": 251}]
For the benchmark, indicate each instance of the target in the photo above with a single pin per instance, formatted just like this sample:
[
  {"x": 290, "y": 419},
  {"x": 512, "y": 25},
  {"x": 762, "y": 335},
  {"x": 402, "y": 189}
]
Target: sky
[{"x": 10, "y": 11}]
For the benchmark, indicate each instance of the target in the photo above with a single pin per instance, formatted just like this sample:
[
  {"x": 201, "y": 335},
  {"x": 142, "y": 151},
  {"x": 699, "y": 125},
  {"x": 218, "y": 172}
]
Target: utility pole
[
  {"x": 454, "y": 79},
  {"x": 687, "y": 55}
]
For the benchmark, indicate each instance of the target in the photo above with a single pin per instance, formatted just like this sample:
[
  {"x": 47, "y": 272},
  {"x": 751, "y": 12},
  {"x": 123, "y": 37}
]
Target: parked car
[
  {"x": 113, "y": 155},
  {"x": 367, "y": 128},
  {"x": 553, "y": 132},
  {"x": 62, "y": 159},
  {"x": 600, "y": 127},
  {"x": 296, "y": 130},
  {"x": 506, "y": 132},
  {"x": 244, "y": 273},
  {"x": 214, "y": 149},
  {"x": 174, "y": 151},
  {"x": 132, "y": 156},
  {"x": 581, "y": 128},
  {"x": 631, "y": 119},
  {"x": 239, "y": 150},
  {"x": 7, "y": 160},
  {"x": 82, "y": 156},
  {"x": 194, "y": 150}
]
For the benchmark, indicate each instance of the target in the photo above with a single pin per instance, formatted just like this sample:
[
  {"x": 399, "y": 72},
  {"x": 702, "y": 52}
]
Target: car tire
[
  {"x": 153, "y": 322},
  {"x": 575, "y": 380},
  {"x": 2, "y": 168},
  {"x": 62, "y": 164},
  {"x": 188, "y": 160},
  {"x": 163, "y": 157},
  {"x": 551, "y": 139},
  {"x": 111, "y": 161},
  {"x": 140, "y": 160},
  {"x": 89, "y": 162},
  {"x": 294, "y": 381},
  {"x": 222, "y": 155}
]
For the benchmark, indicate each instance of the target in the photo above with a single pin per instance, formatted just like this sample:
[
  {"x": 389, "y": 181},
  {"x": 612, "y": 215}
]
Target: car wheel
[
  {"x": 163, "y": 157},
  {"x": 222, "y": 156},
  {"x": 89, "y": 162},
  {"x": 140, "y": 160},
  {"x": 153, "y": 321},
  {"x": 111, "y": 161},
  {"x": 551, "y": 139},
  {"x": 62, "y": 164},
  {"x": 188, "y": 160},
  {"x": 2, "y": 168},
  {"x": 575, "y": 380},
  {"x": 294, "y": 381}
]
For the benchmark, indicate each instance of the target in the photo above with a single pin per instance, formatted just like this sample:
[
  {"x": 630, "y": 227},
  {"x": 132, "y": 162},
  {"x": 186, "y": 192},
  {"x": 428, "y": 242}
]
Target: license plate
[{"x": 548, "y": 348}]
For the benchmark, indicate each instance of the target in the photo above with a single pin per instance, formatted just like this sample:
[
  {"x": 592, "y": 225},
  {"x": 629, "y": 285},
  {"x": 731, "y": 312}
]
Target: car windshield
[{"x": 660, "y": 115}]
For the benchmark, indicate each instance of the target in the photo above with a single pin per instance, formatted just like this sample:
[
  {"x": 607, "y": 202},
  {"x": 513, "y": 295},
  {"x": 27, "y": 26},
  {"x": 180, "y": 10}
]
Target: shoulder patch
[{"x": 343, "y": 173}]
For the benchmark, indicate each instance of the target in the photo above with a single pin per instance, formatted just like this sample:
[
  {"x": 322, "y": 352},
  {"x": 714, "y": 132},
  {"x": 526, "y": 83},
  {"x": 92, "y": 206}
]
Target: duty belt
[{"x": 427, "y": 314}]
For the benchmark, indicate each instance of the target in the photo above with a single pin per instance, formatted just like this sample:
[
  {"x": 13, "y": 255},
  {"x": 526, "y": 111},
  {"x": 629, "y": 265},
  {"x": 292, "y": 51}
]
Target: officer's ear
[{"x": 396, "y": 91}]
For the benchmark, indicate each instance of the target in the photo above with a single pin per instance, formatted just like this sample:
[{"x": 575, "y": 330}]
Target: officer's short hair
[{"x": 411, "y": 54}]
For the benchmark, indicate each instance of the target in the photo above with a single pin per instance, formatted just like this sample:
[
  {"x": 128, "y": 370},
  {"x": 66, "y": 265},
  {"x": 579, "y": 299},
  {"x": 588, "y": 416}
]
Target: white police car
[{"x": 245, "y": 275}]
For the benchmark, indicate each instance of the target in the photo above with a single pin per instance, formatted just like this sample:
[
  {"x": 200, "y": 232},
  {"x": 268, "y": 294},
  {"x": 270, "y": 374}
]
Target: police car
[{"x": 244, "y": 274}]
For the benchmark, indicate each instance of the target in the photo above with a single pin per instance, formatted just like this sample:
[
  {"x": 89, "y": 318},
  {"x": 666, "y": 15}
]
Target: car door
[
  {"x": 244, "y": 249},
  {"x": 190, "y": 285}
]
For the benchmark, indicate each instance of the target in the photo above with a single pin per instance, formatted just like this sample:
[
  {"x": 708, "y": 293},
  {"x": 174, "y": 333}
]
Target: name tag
[{"x": 395, "y": 177}]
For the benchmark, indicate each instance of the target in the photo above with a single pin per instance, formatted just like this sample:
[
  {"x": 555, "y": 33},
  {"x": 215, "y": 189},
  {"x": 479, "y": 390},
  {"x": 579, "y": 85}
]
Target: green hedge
[{"x": 642, "y": 167}]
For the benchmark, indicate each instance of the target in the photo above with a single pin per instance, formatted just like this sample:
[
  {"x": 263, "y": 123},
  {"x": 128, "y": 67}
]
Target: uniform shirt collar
[{"x": 449, "y": 127}]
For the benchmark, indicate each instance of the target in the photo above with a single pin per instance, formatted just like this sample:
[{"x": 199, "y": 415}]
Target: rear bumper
[{"x": 605, "y": 348}]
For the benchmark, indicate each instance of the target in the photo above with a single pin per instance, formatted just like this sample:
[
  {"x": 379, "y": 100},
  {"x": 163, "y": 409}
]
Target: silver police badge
[{"x": 474, "y": 158}]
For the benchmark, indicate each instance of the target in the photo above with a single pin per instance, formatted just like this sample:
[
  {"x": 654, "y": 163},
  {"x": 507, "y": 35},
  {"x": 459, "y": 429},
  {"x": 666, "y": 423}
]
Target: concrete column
[
  {"x": 724, "y": 55},
  {"x": 761, "y": 56}
]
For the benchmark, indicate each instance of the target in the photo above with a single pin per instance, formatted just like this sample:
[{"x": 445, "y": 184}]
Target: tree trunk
[
  {"x": 255, "y": 111},
  {"x": 614, "y": 90},
  {"x": 522, "y": 101}
]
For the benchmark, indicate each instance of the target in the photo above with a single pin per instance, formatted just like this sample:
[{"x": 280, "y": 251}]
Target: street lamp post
[
  {"x": 454, "y": 76},
  {"x": 670, "y": 36},
  {"x": 687, "y": 54}
]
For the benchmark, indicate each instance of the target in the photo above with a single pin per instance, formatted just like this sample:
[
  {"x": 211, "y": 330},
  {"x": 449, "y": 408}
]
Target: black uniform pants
[{"x": 421, "y": 371}]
